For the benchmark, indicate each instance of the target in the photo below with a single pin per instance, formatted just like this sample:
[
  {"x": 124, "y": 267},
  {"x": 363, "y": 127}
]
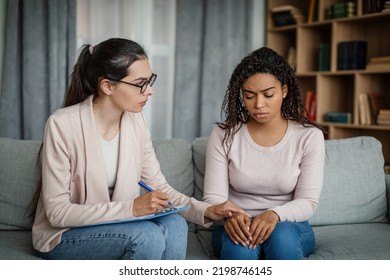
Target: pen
[{"x": 149, "y": 189}]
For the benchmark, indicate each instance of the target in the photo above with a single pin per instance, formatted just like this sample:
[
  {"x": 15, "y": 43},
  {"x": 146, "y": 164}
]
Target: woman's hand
[
  {"x": 149, "y": 203},
  {"x": 262, "y": 226},
  {"x": 222, "y": 211},
  {"x": 237, "y": 228}
]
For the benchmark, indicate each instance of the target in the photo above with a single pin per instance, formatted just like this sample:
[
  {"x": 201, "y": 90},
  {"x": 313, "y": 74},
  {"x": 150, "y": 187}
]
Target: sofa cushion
[
  {"x": 354, "y": 189},
  {"x": 195, "y": 250},
  {"x": 175, "y": 158},
  {"x": 352, "y": 242},
  {"x": 17, "y": 181},
  {"x": 16, "y": 245},
  {"x": 199, "y": 147}
]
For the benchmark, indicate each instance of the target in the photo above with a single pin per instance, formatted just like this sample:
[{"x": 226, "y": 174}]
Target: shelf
[
  {"x": 341, "y": 72},
  {"x": 353, "y": 126}
]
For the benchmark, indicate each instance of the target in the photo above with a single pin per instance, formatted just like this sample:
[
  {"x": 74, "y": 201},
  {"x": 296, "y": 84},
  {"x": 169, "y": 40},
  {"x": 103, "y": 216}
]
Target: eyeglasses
[{"x": 142, "y": 86}]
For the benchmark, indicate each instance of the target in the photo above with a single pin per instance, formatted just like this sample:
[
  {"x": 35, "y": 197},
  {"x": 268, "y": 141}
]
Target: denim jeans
[
  {"x": 288, "y": 241},
  {"x": 161, "y": 238}
]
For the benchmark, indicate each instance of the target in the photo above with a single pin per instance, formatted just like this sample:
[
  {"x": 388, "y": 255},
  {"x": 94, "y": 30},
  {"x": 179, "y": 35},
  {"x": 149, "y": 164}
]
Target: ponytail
[{"x": 79, "y": 88}]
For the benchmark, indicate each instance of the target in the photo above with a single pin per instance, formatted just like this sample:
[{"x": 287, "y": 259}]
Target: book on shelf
[
  {"x": 387, "y": 168},
  {"x": 386, "y": 7},
  {"x": 373, "y": 6},
  {"x": 340, "y": 10},
  {"x": 379, "y": 63},
  {"x": 338, "y": 117},
  {"x": 384, "y": 112},
  {"x": 312, "y": 14},
  {"x": 291, "y": 57},
  {"x": 313, "y": 108},
  {"x": 372, "y": 108},
  {"x": 324, "y": 57},
  {"x": 378, "y": 66},
  {"x": 287, "y": 15},
  {"x": 365, "y": 112},
  {"x": 377, "y": 102},
  {"x": 351, "y": 55},
  {"x": 383, "y": 121},
  {"x": 383, "y": 117},
  {"x": 380, "y": 59},
  {"x": 310, "y": 105}
]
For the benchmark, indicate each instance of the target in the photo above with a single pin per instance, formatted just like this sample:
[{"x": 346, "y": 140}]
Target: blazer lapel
[{"x": 96, "y": 188}]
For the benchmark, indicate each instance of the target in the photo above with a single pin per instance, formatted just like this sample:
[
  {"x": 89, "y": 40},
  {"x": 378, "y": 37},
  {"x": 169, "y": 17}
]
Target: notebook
[{"x": 163, "y": 212}]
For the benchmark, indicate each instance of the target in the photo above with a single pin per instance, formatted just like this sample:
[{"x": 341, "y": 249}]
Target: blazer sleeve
[{"x": 152, "y": 175}]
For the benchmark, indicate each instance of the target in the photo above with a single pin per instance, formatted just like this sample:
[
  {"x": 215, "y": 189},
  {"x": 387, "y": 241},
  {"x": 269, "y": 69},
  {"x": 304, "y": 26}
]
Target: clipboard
[{"x": 164, "y": 212}]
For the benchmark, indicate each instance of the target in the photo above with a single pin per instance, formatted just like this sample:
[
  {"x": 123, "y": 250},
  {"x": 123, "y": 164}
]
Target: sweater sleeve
[
  {"x": 310, "y": 181},
  {"x": 216, "y": 182}
]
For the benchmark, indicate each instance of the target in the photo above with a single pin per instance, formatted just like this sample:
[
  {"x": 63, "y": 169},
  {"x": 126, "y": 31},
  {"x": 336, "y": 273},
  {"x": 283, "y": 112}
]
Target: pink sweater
[{"x": 286, "y": 178}]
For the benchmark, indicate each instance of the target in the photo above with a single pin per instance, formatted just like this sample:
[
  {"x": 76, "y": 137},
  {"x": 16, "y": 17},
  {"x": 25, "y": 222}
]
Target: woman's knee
[
  {"x": 226, "y": 249},
  {"x": 173, "y": 224},
  {"x": 148, "y": 242},
  {"x": 175, "y": 231},
  {"x": 288, "y": 241}
]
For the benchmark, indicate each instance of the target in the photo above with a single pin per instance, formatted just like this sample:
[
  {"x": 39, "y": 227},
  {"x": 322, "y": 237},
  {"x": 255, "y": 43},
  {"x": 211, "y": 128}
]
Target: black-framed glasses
[{"x": 142, "y": 86}]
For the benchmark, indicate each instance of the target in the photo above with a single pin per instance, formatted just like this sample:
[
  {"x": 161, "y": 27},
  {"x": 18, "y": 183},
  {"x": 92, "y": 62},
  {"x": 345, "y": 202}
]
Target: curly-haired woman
[{"x": 267, "y": 158}]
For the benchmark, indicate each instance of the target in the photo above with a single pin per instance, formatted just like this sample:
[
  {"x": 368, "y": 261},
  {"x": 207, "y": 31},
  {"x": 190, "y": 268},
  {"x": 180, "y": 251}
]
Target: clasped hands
[
  {"x": 155, "y": 201},
  {"x": 251, "y": 232}
]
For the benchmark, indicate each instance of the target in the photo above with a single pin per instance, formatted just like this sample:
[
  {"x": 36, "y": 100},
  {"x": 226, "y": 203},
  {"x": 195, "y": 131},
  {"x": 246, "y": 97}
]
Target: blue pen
[{"x": 149, "y": 189}]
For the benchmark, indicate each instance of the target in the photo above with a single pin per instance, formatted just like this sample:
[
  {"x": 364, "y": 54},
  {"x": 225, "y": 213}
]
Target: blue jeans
[
  {"x": 288, "y": 241},
  {"x": 161, "y": 238}
]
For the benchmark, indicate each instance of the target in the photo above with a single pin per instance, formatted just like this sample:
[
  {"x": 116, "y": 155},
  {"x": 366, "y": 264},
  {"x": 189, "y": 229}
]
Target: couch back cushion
[
  {"x": 354, "y": 188},
  {"x": 199, "y": 147},
  {"x": 175, "y": 158},
  {"x": 18, "y": 178}
]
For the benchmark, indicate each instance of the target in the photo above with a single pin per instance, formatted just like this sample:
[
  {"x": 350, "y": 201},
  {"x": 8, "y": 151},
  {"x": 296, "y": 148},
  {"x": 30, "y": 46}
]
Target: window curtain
[
  {"x": 39, "y": 54},
  {"x": 152, "y": 24},
  {"x": 212, "y": 38}
]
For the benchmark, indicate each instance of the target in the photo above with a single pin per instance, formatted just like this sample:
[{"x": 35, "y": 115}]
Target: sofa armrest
[{"x": 388, "y": 196}]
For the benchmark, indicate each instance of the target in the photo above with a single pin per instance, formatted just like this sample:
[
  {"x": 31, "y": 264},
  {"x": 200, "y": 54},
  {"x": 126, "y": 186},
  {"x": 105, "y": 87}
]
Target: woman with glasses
[
  {"x": 267, "y": 158},
  {"x": 95, "y": 150}
]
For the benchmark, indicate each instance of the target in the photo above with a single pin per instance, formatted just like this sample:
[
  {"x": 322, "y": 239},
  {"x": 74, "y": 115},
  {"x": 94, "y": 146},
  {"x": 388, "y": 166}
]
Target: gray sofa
[{"x": 351, "y": 221}]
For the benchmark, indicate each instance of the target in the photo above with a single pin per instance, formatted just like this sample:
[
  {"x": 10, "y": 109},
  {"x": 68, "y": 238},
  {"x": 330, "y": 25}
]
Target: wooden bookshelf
[{"x": 337, "y": 90}]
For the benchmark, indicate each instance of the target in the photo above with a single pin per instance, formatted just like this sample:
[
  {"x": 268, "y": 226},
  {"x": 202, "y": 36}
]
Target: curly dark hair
[{"x": 263, "y": 60}]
